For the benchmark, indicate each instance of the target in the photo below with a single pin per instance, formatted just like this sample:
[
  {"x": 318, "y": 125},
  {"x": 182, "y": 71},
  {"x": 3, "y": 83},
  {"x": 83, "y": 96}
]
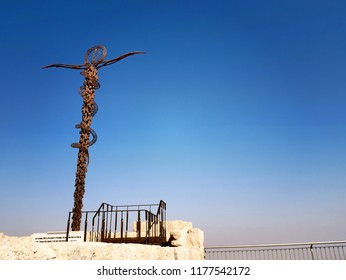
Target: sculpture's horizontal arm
[
  {"x": 114, "y": 60},
  {"x": 83, "y": 66},
  {"x": 98, "y": 66}
]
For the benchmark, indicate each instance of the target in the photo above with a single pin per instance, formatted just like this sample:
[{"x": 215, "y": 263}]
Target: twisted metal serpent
[{"x": 93, "y": 60}]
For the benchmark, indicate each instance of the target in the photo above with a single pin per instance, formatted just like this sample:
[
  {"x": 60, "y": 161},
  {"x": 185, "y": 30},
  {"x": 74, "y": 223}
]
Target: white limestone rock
[
  {"x": 22, "y": 248},
  {"x": 186, "y": 243},
  {"x": 182, "y": 234}
]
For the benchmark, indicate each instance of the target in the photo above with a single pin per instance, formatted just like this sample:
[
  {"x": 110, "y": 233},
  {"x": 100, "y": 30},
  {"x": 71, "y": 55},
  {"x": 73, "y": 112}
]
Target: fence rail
[{"x": 330, "y": 250}]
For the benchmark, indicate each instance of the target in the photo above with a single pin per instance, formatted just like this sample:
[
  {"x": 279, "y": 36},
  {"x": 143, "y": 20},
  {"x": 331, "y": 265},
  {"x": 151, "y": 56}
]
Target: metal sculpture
[{"x": 93, "y": 61}]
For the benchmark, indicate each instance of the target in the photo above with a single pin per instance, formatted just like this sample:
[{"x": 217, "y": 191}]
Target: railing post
[
  {"x": 85, "y": 226},
  {"x": 127, "y": 220},
  {"x": 106, "y": 222},
  {"x": 116, "y": 222},
  {"x": 312, "y": 252},
  {"x": 103, "y": 226},
  {"x": 110, "y": 223},
  {"x": 121, "y": 225},
  {"x": 68, "y": 226},
  {"x": 139, "y": 224},
  {"x": 98, "y": 227},
  {"x": 92, "y": 229},
  {"x": 147, "y": 222}
]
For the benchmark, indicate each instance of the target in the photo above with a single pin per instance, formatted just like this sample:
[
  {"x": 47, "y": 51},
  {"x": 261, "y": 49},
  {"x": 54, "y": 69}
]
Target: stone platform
[{"x": 185, "y": 243}]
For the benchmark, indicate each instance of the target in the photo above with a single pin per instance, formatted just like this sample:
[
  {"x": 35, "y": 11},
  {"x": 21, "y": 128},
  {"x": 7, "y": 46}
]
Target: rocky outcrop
[
  {"x": 188, "y": 241},
  {"x": 184, "y": 243}
]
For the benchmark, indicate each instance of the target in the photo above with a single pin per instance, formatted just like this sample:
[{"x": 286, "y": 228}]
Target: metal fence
[
  {"x": 124, "y": 224},
  {"x": 331, "y": 250}
]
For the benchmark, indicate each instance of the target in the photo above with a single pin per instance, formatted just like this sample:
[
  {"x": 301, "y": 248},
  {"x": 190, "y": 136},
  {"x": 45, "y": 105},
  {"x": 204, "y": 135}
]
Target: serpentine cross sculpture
[{"x": 93, "y": 61}]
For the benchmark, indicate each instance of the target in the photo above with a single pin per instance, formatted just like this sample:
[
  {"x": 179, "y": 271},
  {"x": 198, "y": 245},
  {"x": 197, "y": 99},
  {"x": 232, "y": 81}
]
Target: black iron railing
[
  {"x": 330, "y": 250},
  {"x": 125, "y": 224}
]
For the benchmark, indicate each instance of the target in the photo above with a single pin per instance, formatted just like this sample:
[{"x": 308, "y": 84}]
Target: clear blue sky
[{"x": 235, "y": 116}]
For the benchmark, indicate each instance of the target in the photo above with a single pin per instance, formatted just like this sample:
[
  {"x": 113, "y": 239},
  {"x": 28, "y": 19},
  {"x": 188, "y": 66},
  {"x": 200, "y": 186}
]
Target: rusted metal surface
[
  {"x": 93, "y": 60},
  {"x": 113, "y": 224}
]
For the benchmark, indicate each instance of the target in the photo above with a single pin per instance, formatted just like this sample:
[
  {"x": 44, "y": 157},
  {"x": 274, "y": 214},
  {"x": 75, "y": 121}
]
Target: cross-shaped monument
[{"x": 93, "y": 61}]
